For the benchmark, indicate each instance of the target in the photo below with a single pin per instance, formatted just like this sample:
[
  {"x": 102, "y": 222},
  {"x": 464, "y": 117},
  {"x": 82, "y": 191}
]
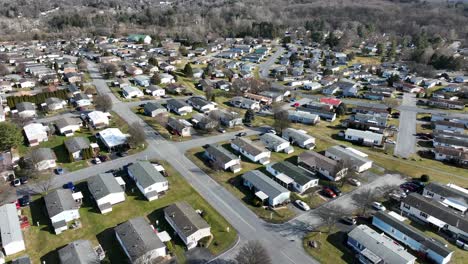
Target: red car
[
  {"x": 328, "y": 192},
  {"x": 296, "y": 104}
]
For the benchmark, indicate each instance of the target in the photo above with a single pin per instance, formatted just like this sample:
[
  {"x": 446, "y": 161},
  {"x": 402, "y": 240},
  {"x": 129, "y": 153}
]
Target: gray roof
[
  {"x": 151, "y": 106},
  {"x": 294, "y": 172},
  {"x": 343, "y": 153},
  {"x": 53, "y": 100},
  {"x": 221, "y": 154},
  {"x": 145, "y": 173},
  {"x": 176, "y": 103},
  {"x": 80, "y": 96},
  {"x": 185, "y": 218},
  {"x": 297, "y": 135},
  {"x": 138, "y": 237},
  {"x": 58, "y": 201},
  {"x": 409, "y": 231},
  {"x": 437, "y": 210},
  {"x": 9, "y": 224},
  {"x": 272, "y": 140},
  {"x": 462, "y": 142},
  {"x": 76, "y": 144},
  {"x": 25, "y": 106},
  {"x": 379, "y": 246},
  {"x": 102, "y": 185},
  {"x": 67, "y": 121},
  {"x": 370, "y": 118},
  {"x": 264, "y": 183},
  {"x": 248, "y": 146},
  {"x": 314, "y": 159},
  {"x": 447, "y": 192},
  {"x": 42, "y": 154},
  {"x": 78, "y": 252},
  {"x": 153, "y": 87},
  {"x": 22, "y": 260},
  {"x": 199, "y": 101}
]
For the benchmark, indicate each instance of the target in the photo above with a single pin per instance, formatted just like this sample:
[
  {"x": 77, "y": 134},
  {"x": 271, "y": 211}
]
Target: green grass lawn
[
  {"x": 331, "y": 247},
  {"x": 233, "y": 182},
  {"x": 41, "y": 243}
]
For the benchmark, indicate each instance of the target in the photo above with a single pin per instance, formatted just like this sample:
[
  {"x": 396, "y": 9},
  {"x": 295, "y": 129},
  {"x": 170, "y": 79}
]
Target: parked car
[
  {"x": 23, "y": 180},
  {"x": 462, "y": 243},
  {"x": 24, "y": 201},
  {"x": 302, "y": 205},
  {"x": 389, "y": 141},
  {"x": 355, "y": 182},
  {"x": 59, "y": 171},
  {"x": 336, "y": 190},
  {"x": 222, "y": 130},
  {"x": 241, "y": 134},
  {"x": 378, "y": 206},
  {"x": 122, "y": 154},
  {"x": 97, "y": 161},
  {"x": 70, "y": 186},
  {"x": 328, "y": 192},
  {"x": 16, "y": 182},
  {"x": 350, "y": 220}
]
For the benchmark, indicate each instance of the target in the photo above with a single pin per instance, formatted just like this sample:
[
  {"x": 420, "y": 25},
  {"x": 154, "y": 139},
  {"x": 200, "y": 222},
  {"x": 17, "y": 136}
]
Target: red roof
[{"x": 330, "y": 101}]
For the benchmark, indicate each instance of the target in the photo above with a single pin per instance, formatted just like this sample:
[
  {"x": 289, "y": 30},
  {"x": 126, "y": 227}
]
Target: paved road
[
  {"x": 264, "y": 68},
  {"x": 406, "y": 139}
]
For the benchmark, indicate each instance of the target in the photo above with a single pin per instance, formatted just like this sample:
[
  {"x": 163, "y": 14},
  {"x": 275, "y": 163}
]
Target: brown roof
[
  {"x": 248, "y": 146},
  {"x": 314, "y": 159}
]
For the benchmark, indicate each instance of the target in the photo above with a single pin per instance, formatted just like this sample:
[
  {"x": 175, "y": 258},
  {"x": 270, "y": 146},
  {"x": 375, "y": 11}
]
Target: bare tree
[
  {"x": 330, "y": 214},
  {"x": 253, "y": 253},
  {"x": 391, "y": 102},
  {"x": 281, "y": 118},
  {"x": 45, "y": 184},
  {"x": 366, "y": 196},
  {"x": 103, "y": 102},
  {"x": 137, "y": 135},
  {"x": 4, "y": 70}
]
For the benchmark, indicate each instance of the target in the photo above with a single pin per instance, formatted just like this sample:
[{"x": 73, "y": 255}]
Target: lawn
[
  {"x": 233, "y": 182},
  {"x": 331, "y": 247},
  {"x": 41, "y": 243}
]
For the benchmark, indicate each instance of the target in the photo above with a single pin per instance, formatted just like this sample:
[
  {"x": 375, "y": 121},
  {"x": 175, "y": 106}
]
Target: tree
[
  {"x": 209, "y": 93},
  {"x": 183, "y": 51},
  {"x": 109, "y": 69},
  {"x": 20, "y": 68},
  {"x": 10, "y": 136},
  {"x": 253, "y": 253},
  {"x": 4, "y": 70},
  {"x": 153, "y": 61},
  {"x": 424, "y": 178},
  {"x": 103, "y": 103},
  {"x": 380, "y": 49},
  {"x": 249, "y": 116},
  {"x": 363, "y": 198},
  {"x": 330, "y": 214},
  {"x": 81, "y": 64},
  {"x": 155, "y": 79},
  {"x": 341, "y": 109},
  {"x": 188, "y": 70},
  {"x": 137, "y": 135},
  {"x": 391, "y": 102},
  {"x": 281, "y": 119}
]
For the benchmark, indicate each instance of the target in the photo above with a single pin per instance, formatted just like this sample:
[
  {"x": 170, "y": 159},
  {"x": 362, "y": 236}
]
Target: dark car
[
  {"x": 328, "y": 192},
  {"x": 59, "y": 171},
  {"x": 241, "y": 134},
  {"x": 70, "y": 186},
  {"x": 336, "y": 190},
  {"x": 24, "y": 201},
  {"x": 122, "y": 154},
  {"x": 23, "y": 180}
]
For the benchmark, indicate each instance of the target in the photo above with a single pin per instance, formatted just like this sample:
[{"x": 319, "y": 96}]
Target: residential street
[
  {"x": 406, "y": 139},
  {"x": 265, "y": 66}
]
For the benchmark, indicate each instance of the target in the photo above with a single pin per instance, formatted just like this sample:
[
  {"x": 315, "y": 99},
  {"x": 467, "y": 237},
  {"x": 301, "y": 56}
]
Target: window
[
  {"x": 393, "y": 230},
  {"x": 423, "y": 214},
  {"x": 431, "y": 194},
  {"x": 406, "y": 206}
]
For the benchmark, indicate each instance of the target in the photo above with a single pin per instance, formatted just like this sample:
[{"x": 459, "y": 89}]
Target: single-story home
[
  {"x": 276, "y": 143},
  {"x": 43, "y": 158},
  {"x": 299, "y": 137},
  {"x": 178, "y": 106},
  {"x": 62, "y": 207},
  {"x": 358, "y": 160},
  {"x": 112, "y": 137},
  {"x": 220, "y": 157},
  {"x": 265, "y": 188},
  {"x": 67, "y": 126},
  {"x": 36, "y": 133},
  {"x": 250, "y": 150},
  {"x": 75, "y": 146},
  {"x": 106, "y": 191},
  {"x": 11, "y": 234},
  {"x": 78, "y": 252},
  {"x": 364, "y": 137},
  {"x": 326, "y": 167},
  {"x": 153, "y": 109},
  {"x": 292, "y": 176},
  {"x": 148, "y": 179}
]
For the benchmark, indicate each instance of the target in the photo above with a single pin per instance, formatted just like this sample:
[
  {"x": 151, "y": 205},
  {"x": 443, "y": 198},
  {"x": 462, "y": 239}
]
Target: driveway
[{"x": 406, "y": 139}]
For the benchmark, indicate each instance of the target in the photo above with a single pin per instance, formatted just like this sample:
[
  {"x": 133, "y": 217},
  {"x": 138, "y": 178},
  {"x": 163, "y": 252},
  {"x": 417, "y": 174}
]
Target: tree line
[{"x": 37, "y": 99}]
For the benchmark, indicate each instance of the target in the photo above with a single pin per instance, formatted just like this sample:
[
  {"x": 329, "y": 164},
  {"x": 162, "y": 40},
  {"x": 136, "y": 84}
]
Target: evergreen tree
[
  {"x": 156, "y": 79},
  {"x": 188, "y": 70}
]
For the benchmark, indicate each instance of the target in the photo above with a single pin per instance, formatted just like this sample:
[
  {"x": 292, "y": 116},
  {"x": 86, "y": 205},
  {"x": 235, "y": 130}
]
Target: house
[
  {"x": 326, "y": 115},
  {"x": 444, "y": 125},
  {"x": 265, "y": 100},
  {"x": 363, "y": 137},
  {"x": 181, "y": 127},
  {"x": 10, "y": 229},
  {"x": 220, "y": 157},
  {"x": 154, "y": 109},
  {"x": 54, "y": 103},
  {"x": 276, "y": 143},
  {"x": 461, "y": 79},
  {"x": 457, "y": 156},
  {"x": 331, "y": 101},
  {"x": 35, "y": 133},
  {"x": 357, "y": 160},
  {"x": 112, "y": 137},
  {"x": 62, "y": 207},
  {"x": 26, "y": 109},
  {"x": 245, "y": 103},
  {"x": 372, "y": 247},
  {"x": 72, "y": 77},
  {"x": 205, "y": 122},
  {"x": 187, "y": 223},
  {"x": 21, "y": 260},
  {"x": 155, "y": 90},
  {"x": 446, "y": 103},
  {"x": 167, "y": 67},
  {"x": 43, "y": 158},
  {"x": 142, "y": 80},
  {"x": 370, "y": 110},
  {"x": 166, "y": 78},
  {"x": 434, "y": 213},
  {"x": 450, "y": 141},
  {"x": 106, "y": 191},
  {"x": 450, "y": 195},
  {"x": 148, "y": 179},
  {"x": 374, "y": 119},
  {"x": 250, "y": 150},
  {"x": 131, "y": 92},
  {"x": 329, "y": 168},
  {"x": 266, "y": 189},
  {"x": 299, "y": 137},
  {"x": 292, "y": 176},
  {"x": 227, "y": 119},
  {"x": 81, "y": 100},
  {"x": 201, "y": 104},
  {"x": 273, "y": 95},
  {"x": 78, "y": 252},
  {"x": 139, "y": 38},
  {"x": 67, "y": 126},
  {"x": 178, "y": 106},
  {"x": 76, "y": 146},
  {"x": 139, "y": 241},
  {"x": 133, "y": 70},
  {"x": 98, "y": 119},
  {"x": 304, "y": 117},
  {"x": 175, "y": 88}
]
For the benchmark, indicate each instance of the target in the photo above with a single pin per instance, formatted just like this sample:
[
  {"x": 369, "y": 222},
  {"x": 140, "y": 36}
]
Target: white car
[
  {"x": 378, "y": 206},
  {"x": 302, "y": 205},
  {"x": 355, "y": 182},
  {"x": 97, "y": 161},
  {"x": 389, "y": 141}
]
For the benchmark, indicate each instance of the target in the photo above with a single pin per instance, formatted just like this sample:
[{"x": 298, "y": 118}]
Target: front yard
[{"x": 42, "y": 244}]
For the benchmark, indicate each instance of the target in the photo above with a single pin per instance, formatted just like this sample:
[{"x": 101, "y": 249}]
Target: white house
[
  {"x": 201, "y": 104},
  {"x": 292, "y": 176},
  {"x": 276, "y": 143},
  {"x": 43, "y": 158},
  {"x": 265, "y": 188},
  {"x": 106, "y": 191},
  {"x": 98, "y": 119},
  {"x": 366, "y": 137},
  {"x": 82, "y": 100},
  {"x": 178, "y": 106},
  {"x": 166, "y": 78},
  {"x": 155, "y": 90},
  {"x": 359, "y": 161},
  {"x": 187, "y": 223},
  {"x": 221, "y": 157},
  {"x": 251, "y": 151},
  {"x": 112, "y": 137},
  {"x": 35, "y": 133},
  {"x": 450, "y": 195},
  {"x": 139, "y": 241},
  {"x": 26, "y": 109},
  {"x": 62, "y": 207},
  {"x": 299, "y": 137},
  {"x": 68, "y": 126},
  {"x": 316, "y": 162},
  {"x": 131, "y": 92},
  {"x": 148, "y": 179},
  {"x": 11, "y": 235}
]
